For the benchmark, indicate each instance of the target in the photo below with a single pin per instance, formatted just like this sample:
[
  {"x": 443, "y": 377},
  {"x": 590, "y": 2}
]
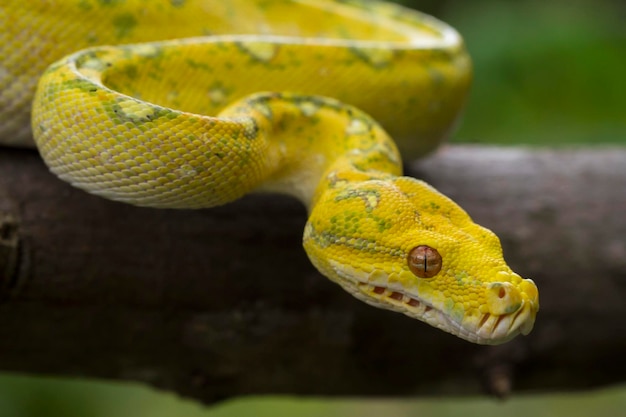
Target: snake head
[{"x": 399, "y": 244}]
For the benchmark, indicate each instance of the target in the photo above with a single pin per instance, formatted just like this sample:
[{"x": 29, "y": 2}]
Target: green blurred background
[{"x": 546, "y": 72}]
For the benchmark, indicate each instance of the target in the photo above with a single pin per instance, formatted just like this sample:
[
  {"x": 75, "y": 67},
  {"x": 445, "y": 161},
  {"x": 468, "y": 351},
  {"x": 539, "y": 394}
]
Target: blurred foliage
[
  {"x": 41, "y": 397},
  {"x": 546, "y": 72}
]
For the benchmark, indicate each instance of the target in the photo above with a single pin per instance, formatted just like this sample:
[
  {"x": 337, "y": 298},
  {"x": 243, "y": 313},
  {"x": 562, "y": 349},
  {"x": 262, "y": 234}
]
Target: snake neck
[{"x": 315, "y": 144}]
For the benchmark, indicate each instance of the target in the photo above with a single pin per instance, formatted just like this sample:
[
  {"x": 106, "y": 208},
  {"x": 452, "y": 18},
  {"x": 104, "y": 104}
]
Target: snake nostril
[{"x": 503, "y": 298}]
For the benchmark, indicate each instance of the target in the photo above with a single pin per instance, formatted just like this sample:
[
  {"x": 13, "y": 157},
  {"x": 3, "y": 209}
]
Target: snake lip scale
[{"x": 490, "y": 329}]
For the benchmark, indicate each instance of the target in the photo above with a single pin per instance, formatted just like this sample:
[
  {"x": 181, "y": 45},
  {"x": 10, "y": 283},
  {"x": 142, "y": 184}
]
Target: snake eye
[{"x": 424, "y": 261}]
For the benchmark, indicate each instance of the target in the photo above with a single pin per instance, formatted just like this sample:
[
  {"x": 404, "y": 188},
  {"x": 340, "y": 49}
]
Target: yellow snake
[{"x": 231, "y": 97}]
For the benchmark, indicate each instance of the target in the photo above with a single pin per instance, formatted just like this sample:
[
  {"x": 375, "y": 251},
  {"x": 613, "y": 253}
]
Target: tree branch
[{"x": 223, "y": 302}]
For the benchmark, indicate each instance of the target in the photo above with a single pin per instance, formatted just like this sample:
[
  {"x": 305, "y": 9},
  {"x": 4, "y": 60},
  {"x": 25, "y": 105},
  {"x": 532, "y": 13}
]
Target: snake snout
[
  {"x": 512, "y": 311},
  {"x": 503, "y": 298}
]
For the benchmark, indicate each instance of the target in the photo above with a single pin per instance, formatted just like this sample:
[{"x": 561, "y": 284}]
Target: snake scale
[{"x": 199, "y": 102}]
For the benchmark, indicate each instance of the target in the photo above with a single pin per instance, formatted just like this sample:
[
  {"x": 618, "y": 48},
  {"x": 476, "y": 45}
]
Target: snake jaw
[
  {"x": 382, "y": 290},
  {"x": 506, "y": 326},
  {"x": 411, "y": 303},
  {"x": 491, "y": 329}
]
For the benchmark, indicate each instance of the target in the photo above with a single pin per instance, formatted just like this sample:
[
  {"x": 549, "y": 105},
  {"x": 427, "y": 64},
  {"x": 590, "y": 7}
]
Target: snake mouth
[
  {"x": 487, "y": 328},
  {"x": 410, "y": 303},
  {"x": 506, "y": 326}
]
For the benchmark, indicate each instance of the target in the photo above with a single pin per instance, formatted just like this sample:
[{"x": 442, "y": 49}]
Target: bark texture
[{"x": 223, "y": 302}]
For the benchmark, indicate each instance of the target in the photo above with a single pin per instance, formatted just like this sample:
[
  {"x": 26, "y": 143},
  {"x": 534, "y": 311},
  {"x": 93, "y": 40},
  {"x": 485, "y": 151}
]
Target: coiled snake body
[{"x": 256, "y": 95}]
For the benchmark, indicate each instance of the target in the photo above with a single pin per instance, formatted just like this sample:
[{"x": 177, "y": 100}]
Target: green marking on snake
[
  {"x": 261, "y": 52},
  {"x": 305, "y": 103},
  {"x": 376, "y": 57},
  {"x": 124, "y": 23},
  {"x": 108, "y": 3},
  {"x": 198, "y": 65},
  {"x": 369, "y": 197}
]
